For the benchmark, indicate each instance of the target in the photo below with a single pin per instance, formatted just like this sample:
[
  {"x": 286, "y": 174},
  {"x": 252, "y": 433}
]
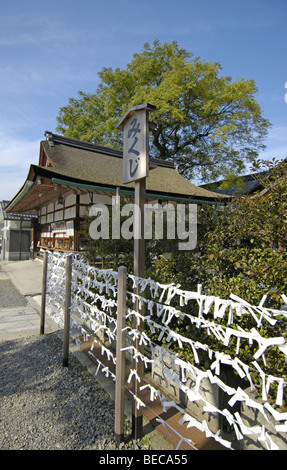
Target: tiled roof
[
  {"x": 96, "y": 164},
  {"x": 246, "y": 184},
  {"x": 65, "y": 162},
  {"x": 11, "y": 216}
]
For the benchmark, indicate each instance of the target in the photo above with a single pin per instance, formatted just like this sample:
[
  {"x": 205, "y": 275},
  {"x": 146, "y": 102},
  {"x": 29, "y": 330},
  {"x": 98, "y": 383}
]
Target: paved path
[{"x": 20, "y": 299}]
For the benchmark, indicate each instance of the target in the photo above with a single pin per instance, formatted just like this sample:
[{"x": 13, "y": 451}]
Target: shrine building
[{"x": 72, "y": 175}]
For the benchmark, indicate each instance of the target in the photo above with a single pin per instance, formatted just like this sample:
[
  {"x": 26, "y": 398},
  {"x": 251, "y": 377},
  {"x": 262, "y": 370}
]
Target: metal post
[
  {"x": 67, "y": 311},
  {"x": 139, "y": 269},
  {"x": 120, "y": 356},
  {"x": 44, "y": 292}
]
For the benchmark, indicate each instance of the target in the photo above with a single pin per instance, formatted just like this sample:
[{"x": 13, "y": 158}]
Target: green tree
[
  {"x": 243, "y": 248},
  {"x": 114, "y": 252},
  {"x": 205, "y": 122},
  {"x": 243, "y": 252},
  {"x": 246, "y": 252}
]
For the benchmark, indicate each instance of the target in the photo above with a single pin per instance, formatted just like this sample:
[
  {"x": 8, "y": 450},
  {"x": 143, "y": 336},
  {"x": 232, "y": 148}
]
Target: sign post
[{"x": 135, "y": 126}]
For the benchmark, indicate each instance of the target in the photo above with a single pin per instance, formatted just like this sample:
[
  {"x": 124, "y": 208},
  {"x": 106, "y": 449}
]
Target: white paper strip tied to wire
[
  {"x": 225, "y": 333},
  {"x": 203, "y": 426},
  {"x": 136, "y": 355},
  {"x": 94, "y": 293},
  {"x": 220, "y": 306},
  {"x": 221, "y": 332},
  {"x": 233, "y": 306},
  {"x": 161, "y": 315},
  {"x": 55, "y": 299},
  {"x": 88, "y": 283},
  {"x": 237, "y": 395},
  {"x": 86, "y": 308},
  {"x": 103, "y": 279},
  {"x": 198, "y": 375},
  {"x": 104, "y": 369},
  {"x": 171, "y": 430}
]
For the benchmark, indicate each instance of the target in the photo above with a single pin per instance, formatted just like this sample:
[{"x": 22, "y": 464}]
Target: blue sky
[{"x": 51, "y": 50}]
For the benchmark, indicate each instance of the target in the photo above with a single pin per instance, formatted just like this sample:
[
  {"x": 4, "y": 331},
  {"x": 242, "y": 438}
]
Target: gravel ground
[
  {"x": 9, "y": 295},
  {"x": 45, "y": 406}
]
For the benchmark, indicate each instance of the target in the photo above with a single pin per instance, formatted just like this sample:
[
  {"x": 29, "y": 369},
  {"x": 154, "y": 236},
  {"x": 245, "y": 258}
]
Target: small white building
[{"x": 15, "y": 234}]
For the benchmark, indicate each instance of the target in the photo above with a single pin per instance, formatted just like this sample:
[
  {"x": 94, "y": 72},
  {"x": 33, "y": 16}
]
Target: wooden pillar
[
  {"x": 135, "y": 125},
  {"x": 139, "y": 270},
  {"x": 77, "y": 225},
  {"x": 120, "y": 356},
  {"x": 44, "y": 293},
  {"x": 67, "y": 311}
]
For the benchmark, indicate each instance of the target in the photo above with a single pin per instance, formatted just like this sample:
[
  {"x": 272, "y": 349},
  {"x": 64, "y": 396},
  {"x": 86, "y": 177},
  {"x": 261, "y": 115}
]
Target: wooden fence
[{"x": 138, "y": 324}]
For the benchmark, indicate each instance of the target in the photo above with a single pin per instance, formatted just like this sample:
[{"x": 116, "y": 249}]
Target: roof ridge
[{"x": 52, "y": 138}]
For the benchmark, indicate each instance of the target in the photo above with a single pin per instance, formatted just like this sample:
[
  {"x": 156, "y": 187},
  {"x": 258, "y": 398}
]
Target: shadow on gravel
[{"x": 52, "y": 407}]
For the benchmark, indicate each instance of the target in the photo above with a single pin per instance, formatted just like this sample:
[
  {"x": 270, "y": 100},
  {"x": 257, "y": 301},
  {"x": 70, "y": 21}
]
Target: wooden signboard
[{"x": 135, "y": 128}]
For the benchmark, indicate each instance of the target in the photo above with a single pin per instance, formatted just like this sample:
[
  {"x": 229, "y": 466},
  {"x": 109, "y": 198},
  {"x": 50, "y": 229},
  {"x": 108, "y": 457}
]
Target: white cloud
[
  {"x": 278, "y": 152},
  {"x": 9, "y": 188},
  {"x": 276, "y": 144},
  {"x": 16, "y": 152},
  {"x": 16, "y": 156},
  {"x": 33, "y": 30},
  {"x": 278, "y": 132}
]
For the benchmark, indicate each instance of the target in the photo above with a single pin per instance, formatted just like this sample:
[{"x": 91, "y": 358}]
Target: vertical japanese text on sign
[
  {"x": 133, "y": 153},
  {"x": 135, "y": 149}
]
